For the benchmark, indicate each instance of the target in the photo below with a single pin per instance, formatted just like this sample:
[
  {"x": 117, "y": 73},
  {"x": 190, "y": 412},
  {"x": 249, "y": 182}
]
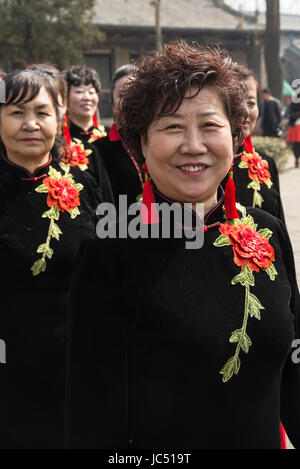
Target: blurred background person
[
  {"x": 293, "y": 135},
  {"x": 124, "y": 173}
]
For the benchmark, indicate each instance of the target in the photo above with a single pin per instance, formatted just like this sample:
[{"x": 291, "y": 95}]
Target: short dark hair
[
  {"x": 22, "y": 86},
  {"x": 53, "y": 71},
  {"x": 123, "y": 71},
  {"x": 162, "y": 81},
  {"x": 266, "y": 91},
  {"x": 81, "y": 75}
]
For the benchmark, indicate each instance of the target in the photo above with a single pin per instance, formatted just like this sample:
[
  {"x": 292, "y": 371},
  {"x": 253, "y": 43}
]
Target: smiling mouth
[{"x": 193, "y": 168}]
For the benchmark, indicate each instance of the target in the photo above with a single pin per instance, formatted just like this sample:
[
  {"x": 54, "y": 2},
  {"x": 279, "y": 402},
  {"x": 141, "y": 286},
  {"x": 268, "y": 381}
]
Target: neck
[
  {"x": 84, "y": 123},
  {"x": 29, "y": 163},
  {"x": 207, "y": 205}
]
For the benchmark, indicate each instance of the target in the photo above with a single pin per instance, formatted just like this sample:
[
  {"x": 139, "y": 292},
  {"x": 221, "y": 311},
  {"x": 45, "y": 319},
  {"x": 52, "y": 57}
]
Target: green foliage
[
  {"x": 276, "y": 148},
  {"x": 37, "y": 31}
]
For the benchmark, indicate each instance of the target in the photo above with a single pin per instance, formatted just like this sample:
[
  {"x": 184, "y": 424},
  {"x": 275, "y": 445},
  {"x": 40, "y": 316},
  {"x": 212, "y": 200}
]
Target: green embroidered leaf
[
  {"x": 245, "y": 343},
  {"x": 265, "y": 232},
  {"x": 65, "y": 167},
  {"x": 257, "y": 199},
  {"x": 53, "y": 173},
  {"x": 269, "y": 183},
  {"x": 83, "y": 167},
  {"x": 244, "y": 278},
  {"x": 271, "y": 271},
  {"x": 254, "y": 185},
  {"x": 52, "y": 213},
  {"x": 222, "y": 241},
  {"x": 38, "y": 267},
  {"x": 231, "y": 366},
  {"x": 56, "y": 231},
  {"x": 49, "y": 253},
  {"x": 74, "y": 212},
  {"x": 41, "y": 249},
  {"x": 249, "y": 221},
  {"x": 78, "y": 186},
  {"x": 236, "y": 335},
  {"x": 42, "y": 189},
  {"x": 241, "y": 209},
  {"x": 243, "y": 165},
  {"x": 254, "y": 306}
]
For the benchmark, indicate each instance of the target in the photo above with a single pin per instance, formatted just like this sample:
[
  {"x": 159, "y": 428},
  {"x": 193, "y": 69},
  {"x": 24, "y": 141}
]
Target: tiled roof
[{"x": 177, "y": 14}]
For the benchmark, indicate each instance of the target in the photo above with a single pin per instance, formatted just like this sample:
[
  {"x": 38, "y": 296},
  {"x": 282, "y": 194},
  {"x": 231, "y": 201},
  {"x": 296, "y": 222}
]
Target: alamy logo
[
  {"x": 2, "y": 92},
  {"x": 295, "y": 97},
  {"x": 2, "y": 351}
]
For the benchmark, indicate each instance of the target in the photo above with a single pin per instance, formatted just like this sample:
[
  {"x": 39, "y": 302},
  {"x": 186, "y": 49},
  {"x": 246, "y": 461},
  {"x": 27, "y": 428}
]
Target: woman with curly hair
[{"x": 195, "y": 352}]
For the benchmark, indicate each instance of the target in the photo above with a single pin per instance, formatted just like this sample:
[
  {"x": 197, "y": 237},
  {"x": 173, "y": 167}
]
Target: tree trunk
[
  {"x": 272, "y": 48},
  {"x": 158, "y": 34}
]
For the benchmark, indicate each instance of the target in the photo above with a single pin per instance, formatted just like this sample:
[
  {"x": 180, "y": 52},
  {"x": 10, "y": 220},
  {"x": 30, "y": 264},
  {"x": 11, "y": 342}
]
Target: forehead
[
  {"x": 207, "y": 101},
  {"x": 82, "y": 86},
  {"x": 251, "y": 86},
  {"x": 42, "y": 98}
]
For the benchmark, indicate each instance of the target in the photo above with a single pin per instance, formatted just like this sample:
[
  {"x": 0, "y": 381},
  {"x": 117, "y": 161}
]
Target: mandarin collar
[
  {"x": 78, "y": 130},
  {"x": 22, "y": 173},
  {"x": 212, "y": 218}
]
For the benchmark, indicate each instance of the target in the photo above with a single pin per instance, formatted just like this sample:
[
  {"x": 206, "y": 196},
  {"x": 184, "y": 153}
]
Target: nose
[
  {"x": 194, "y": 143},
  {"x": 30, "y": 123}
]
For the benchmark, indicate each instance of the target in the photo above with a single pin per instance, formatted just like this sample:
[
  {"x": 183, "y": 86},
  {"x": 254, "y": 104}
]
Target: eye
[
  {"x": 173, "y": 127},
  {"x": 16, "y": 113}
]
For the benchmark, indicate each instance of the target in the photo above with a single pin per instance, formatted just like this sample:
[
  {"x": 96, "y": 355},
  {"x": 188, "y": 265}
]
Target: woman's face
[
  {"x": 117, "y": 94},
  {"x": 28, "y": 130},
  {"x": 83, "y": 101},
  {"x": 252, "y": 107},
  {"x": 188, "y": 153}
]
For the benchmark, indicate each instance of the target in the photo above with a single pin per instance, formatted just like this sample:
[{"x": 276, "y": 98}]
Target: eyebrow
[
  {"x": 22, "y": 106},
  {"x": 177, "y": 115}
]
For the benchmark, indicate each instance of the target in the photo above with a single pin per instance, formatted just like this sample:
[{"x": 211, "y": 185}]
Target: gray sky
[{"x": 286, "y": 6}]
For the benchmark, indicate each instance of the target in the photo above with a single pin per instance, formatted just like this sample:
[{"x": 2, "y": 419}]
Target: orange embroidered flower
[
  {"x": 61, "y": 193},
  {"x": 257, "y": 167},
  {"x": 249, "y": 247},
  {"x": 78, "y": 156}
]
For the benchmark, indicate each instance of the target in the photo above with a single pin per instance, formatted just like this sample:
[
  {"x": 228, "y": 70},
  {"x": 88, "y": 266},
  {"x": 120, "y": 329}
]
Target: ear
[{"x": 144, "y": 145}]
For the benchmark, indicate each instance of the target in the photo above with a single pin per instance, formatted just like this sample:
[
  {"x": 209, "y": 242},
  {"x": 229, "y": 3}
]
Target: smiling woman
[
  {"x": 195, "y": 352},
  {"x": 46, "y": 211}
]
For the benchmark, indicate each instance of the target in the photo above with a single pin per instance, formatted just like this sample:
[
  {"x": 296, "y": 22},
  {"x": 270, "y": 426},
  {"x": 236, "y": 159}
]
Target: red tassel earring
[
  {"x": 248, "y": 145},
  {"x": 149, "y": 210},
  {"x": 114, "y": 135},
  {"x": 67, "y": 135},
  {"x": 95, "y": 121},
  {"x": 231, "y": 212}
]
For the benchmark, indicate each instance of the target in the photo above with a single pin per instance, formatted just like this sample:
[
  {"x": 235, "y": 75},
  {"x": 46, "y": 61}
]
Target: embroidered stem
[{"x": 245, "y": 321}]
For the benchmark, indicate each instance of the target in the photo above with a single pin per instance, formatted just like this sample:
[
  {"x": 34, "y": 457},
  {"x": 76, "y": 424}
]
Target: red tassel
[
  {"x": 230, "y": 197},
  {"x": 67, "y": 135},
  {"x": 283, "y": 437},
  {"x": 249, "y": 145},
  {"x": 114, "y": 135},
  {"x": 95, "y": 121},
  {"x": 149, "y": 210}
]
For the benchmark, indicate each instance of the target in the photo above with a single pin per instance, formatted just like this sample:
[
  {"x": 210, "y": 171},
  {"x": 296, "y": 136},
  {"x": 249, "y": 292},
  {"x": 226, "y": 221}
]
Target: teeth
[{"x": 193, "y": 169}]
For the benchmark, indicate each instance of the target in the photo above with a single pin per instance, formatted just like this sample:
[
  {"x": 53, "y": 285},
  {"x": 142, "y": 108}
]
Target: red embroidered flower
[
  {"x": 61, "y": 193},
  {"x": 78, "y": 156},
  {"x": 257, "y": 167},
  {"x": 249, "y": 247}
]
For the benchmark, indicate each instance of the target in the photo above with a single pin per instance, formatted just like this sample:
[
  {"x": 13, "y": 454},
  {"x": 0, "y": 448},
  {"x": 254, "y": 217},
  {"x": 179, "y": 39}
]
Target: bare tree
[{"x": 272, "y": 47}]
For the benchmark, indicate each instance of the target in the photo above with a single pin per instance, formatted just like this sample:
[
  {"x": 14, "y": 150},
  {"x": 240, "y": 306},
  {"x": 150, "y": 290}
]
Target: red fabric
[
  {"x": 149, "y": 210},
  {"x": 249, "y": 145},
  {"x": 283, "y": 437},
  {"x": 114, "y": 135},
  {"x": 67, "y": 135},
  {"x": 293, "y": 134},
  {"x": 95, "y": 121},
  {"x": 230, "y": 198}
]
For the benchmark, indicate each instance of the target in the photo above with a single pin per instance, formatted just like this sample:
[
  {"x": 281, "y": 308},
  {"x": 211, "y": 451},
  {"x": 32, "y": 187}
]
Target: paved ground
[{"x": 290, "y": 195}]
